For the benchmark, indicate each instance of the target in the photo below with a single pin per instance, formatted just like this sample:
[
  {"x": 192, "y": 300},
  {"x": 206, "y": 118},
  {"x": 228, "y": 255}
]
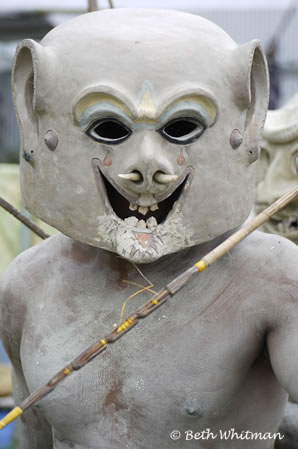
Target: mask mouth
[{"x": 125, "y": 207}]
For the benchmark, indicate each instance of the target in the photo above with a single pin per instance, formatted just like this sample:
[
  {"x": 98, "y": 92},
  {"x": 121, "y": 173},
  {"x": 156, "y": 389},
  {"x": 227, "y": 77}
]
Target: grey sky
[{"x": 179, "y": 4}]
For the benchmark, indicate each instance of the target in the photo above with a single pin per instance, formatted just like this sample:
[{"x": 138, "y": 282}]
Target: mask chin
[{"x": 139, "y": 246}]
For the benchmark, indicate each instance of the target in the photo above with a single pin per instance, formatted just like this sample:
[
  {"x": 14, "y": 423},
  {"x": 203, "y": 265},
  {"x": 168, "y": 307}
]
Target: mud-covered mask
[
  {"x": 139, "y": 132},
  {"x": 278, "y": 168}
]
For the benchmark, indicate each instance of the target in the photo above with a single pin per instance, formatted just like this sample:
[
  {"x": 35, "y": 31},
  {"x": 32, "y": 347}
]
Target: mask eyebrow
[
  {"x": 93, "y": 101},
  {"x": 102, "y": 110},
  {"x": 198, "y": 104}
]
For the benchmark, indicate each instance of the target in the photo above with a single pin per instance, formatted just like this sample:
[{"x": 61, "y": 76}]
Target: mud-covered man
[{"x": 140, "y": 131}]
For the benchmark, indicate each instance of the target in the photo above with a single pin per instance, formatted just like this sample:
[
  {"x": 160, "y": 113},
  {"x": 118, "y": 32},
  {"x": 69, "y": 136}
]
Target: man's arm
[
  {"x": 283, "y": 350},
  {"x": 33, "y": 429},
  {"x": 282, "y": 339}
]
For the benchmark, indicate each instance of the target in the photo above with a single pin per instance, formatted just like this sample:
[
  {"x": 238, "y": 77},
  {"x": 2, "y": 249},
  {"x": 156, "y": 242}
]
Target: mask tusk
[
  {"x": 165, "y": 179},
  {"x": 131, "y": 176}
]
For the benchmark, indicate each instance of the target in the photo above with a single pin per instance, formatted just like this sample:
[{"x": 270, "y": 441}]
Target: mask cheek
[
  {"x": 219, "y": 199},
  {"x": 180, "y": 159},
  {"x": 107, "y": 160}
]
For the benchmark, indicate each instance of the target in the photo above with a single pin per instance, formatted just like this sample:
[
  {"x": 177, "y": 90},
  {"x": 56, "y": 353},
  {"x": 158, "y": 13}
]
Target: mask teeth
[
  {"x": 133, "y": 222},
  {"x": 287, "y": 224},
  {"x": 141, "y": 224},
  {"x": 143, "y": 210},
  {"x": 293, "y": 223},
  {"x": 280, "y": 227},
  {"x": 151, "y": 223}
]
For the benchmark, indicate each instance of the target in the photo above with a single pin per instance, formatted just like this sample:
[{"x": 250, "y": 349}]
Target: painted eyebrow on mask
[
  {"x": 93, "y": 104},
  {"x": 196, "y": 105},
  {"x": 103, "y": 110}
]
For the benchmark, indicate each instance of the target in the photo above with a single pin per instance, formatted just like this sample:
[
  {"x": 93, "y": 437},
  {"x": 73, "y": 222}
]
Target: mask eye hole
[
  {"x": 182, "y": 130},
  {"x": 179, "y": 128},
  {"x": 108, "y": 130}
]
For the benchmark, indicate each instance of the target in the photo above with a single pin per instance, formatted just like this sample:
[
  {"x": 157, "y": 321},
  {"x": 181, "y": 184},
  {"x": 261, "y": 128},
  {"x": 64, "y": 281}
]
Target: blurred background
[{"x": 274, "y": 22}]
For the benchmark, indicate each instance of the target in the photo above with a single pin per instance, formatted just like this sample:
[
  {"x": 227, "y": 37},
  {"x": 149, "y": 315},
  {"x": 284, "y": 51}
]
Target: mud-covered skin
[{"x": 198, "y": 362}]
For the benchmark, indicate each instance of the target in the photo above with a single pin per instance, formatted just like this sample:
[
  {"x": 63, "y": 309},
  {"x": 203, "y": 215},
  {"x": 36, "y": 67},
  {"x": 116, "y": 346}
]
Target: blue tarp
[{"x": 7, "y": 434}]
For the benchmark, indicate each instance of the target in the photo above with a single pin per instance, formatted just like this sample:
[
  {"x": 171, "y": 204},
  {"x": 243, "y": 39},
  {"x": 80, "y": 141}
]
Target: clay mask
[
  {"x": 144, "y": 103},
  {"x": 278, "y": 167}
]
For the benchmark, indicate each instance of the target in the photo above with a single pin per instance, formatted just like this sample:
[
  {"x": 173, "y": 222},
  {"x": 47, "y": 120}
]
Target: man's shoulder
[
  {"x": 25, "y": 272},
  {"x": 34, "y": 270},
  {"x": 271, "y": 262},
  {"x": 264, "y": 262},
  {"x": 34, "y": 258},
  {"x": 274, "y": 249}
]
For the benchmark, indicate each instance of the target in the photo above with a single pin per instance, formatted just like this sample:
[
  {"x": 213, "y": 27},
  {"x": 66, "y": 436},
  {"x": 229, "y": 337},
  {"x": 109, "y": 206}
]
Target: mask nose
[
  {"x": 158, "y": 177},
  {"x": 149, "y": 168}
]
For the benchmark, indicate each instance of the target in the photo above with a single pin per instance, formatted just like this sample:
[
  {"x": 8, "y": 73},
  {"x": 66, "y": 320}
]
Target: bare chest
[{"x": 185, "y": 361}]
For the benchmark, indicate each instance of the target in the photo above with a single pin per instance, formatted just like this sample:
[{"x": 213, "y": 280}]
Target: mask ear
[
  {"x": 252, "y": 93},
  {"x": 25, "y": 80}
]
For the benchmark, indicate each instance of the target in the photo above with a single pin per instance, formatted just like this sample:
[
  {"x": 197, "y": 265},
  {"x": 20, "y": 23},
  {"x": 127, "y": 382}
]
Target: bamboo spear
[
  {"x": 25, "y": 220},
  {"x": 156, "y": 301}
]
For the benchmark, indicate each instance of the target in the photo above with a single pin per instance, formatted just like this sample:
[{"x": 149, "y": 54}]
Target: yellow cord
[
  {"x": 143, "y": 289},
  {"x": 140, "y": 286}
]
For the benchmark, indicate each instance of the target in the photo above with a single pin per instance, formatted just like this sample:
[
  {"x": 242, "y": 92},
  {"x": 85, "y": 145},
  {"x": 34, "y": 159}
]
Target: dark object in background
[
  {"x": 272, "y": 50},
  {"x": 7, "y": 435},
  {"x": 16, "y": 26},
  {"x": 274, "y": 75},
  {"x": 13, "y": 28}
]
